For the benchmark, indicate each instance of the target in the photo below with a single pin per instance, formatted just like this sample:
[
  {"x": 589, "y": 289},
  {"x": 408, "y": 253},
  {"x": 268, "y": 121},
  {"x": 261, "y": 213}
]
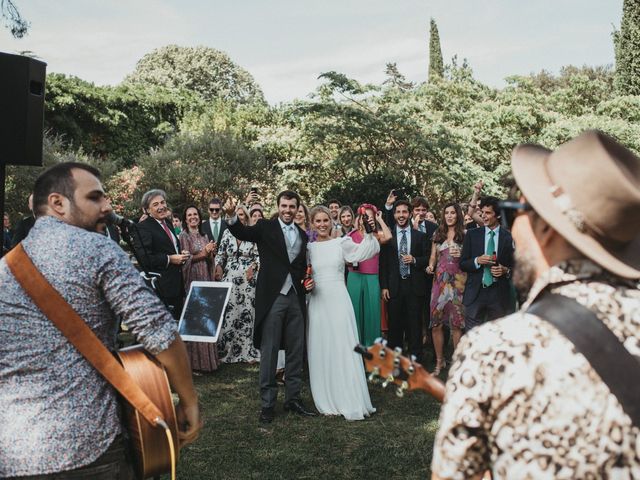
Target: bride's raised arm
[{"x": 359, "y": 252}]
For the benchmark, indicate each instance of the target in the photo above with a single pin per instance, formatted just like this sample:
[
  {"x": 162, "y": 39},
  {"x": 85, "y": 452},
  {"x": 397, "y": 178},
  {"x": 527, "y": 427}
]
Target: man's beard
[{"x": 524, "y": 272}]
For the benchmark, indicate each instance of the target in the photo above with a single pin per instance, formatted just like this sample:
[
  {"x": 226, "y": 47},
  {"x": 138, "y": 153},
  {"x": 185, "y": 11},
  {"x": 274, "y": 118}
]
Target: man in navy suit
[
  {"x": 487, "y": 292},
  {"x": 403, "y": 280},
  {"x": 158, "y": 250}
]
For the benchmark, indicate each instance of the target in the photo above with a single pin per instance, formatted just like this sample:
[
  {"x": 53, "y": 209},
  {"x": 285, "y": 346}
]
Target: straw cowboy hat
[{"x": 588, "y": 190}]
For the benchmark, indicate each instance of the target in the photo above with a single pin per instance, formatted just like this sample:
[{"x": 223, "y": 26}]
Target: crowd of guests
[{"x": 433, "y": 278}]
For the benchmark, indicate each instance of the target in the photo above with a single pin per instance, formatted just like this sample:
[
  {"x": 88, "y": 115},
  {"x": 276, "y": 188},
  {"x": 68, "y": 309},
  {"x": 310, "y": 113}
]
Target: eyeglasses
[
  {"x": 510, "y": 210},
  {"x": 214, "y": 209}
]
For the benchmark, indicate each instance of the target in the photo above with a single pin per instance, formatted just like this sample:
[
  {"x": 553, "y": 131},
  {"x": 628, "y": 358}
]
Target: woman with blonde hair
[{"x": 336, "y": 372}]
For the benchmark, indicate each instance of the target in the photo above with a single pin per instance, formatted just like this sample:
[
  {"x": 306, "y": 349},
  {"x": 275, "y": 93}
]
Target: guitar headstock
[{"x": 392, "y": 367}]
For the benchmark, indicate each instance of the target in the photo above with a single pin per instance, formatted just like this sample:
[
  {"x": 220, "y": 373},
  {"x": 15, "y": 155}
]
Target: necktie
[
  {"x": 487, "y": 278},
  {"x": 423, "y": 229},
  {"x": 166, "y": 230},
  {"x": 216, "y": 231},
  {"x": 291, "y": 239},
  {"x": 404, "y": 267}
]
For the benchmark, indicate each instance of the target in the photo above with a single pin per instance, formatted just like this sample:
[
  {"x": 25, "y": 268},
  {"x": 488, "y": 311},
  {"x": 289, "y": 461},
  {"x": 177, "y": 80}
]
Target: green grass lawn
[{"x": 396, "y": 442}]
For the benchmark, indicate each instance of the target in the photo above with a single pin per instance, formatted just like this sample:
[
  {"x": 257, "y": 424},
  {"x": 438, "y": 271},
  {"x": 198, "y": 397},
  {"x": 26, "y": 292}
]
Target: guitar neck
[{"x": 431, "y": 385}]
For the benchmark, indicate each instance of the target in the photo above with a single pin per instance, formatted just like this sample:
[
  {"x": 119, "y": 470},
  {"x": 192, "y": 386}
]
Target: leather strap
[
  {"x": 615, "y": 365},
  {"x": 63, "y": 316}
]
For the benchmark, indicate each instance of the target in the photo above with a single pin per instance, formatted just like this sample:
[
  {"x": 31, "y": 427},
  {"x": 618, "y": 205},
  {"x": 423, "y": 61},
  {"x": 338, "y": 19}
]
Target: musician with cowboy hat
[{"x": 551, "y": 391}]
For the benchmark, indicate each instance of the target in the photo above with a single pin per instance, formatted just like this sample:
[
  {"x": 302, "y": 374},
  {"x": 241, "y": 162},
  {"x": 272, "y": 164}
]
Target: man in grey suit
[{"x": 280, "y": 300}]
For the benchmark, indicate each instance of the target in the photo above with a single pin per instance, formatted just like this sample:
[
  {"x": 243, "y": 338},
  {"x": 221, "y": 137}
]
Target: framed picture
[{"x": 203, "y": 311}]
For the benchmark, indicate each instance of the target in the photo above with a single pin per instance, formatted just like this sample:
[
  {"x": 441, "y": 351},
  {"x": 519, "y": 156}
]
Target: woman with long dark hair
[
  {"x": 448, "y": 281},
  {"x": 202, "y": 356}
]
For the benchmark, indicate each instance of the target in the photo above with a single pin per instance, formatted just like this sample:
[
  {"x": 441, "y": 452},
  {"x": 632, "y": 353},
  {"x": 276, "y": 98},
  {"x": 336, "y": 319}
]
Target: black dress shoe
[
  {"x": 296, "y": 406},
  {"x": 266, "y": 415}
]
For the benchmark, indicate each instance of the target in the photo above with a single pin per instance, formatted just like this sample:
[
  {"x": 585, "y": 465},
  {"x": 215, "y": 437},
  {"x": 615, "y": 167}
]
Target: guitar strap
[
  {"x": 66, "y": 319},
  {"x": 615, "y": 365}
]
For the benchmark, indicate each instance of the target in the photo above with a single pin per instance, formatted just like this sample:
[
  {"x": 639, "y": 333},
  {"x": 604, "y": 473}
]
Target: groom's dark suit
[{"x": 279, "y": 316}]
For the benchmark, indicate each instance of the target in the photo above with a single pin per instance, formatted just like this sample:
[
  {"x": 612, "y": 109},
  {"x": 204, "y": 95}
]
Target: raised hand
[
  {"x": 229, "y": 206},
  {"x": 391, "y": 198}
]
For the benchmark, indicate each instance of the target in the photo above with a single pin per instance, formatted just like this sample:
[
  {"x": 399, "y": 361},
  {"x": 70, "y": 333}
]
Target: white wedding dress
[{"x": 336, "y": 372}]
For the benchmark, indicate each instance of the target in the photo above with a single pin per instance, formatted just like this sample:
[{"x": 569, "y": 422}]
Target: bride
[{"x": 336, "y": 372}]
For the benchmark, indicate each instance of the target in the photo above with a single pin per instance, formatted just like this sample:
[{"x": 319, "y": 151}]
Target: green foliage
[
  {"x": 436, "y": 64},
  {"x": 117, "y": 122},
  {"x": 627, "y": 46},
  {"x": 193, "y": 168},
  {"x": 373, "y": 188},
  {"x": 20, "y": 179},
  {"x": 206, "y": 71}
]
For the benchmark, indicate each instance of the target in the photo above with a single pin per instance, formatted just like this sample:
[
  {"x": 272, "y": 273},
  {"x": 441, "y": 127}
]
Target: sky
[{"x": 286, "y": 44}]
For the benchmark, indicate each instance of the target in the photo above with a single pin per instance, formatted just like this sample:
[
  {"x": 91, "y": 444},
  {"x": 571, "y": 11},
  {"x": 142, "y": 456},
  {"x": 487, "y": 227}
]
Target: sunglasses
[
  {"x": 214, "y": 209},
  {"x": 510, "y": 210}
]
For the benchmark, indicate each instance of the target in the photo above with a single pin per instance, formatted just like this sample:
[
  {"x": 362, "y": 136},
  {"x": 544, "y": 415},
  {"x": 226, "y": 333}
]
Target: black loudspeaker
[{"x": 21, "y": 109}]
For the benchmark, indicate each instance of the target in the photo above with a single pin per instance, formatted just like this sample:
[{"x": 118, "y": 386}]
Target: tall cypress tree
[
  {"x": 627, "y": 45},
  {"x": 436, "y": 65}
]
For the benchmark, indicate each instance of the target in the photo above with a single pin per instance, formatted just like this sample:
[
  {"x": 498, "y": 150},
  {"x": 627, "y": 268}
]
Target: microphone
[{"x": 114, "y": 219}]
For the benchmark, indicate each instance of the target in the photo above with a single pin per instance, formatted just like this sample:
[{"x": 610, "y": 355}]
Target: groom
[{"x": 280, "y": 300}]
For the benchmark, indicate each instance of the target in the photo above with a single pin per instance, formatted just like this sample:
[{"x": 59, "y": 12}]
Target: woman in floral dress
[
  {"x": 448, "y": 281},
  {"x": 203, "y": 356},
  {"x": 237, "y": 262}
]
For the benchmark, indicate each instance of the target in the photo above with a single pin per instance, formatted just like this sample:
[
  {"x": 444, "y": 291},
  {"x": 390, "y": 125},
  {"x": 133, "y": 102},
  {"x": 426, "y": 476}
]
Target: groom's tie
[{"x": 290, "y": 232}]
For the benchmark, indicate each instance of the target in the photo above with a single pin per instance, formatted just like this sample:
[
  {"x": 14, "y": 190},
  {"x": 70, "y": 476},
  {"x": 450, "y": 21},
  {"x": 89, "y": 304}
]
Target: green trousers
[{"x": 364, "y": 290}]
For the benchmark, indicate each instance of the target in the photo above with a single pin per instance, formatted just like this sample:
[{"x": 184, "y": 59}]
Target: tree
[
  {"x": 193, "y": 168},
  {"x": 436, "y": 65},
  {"x": 119, "y": 122},
  {"x": 395, "y": 78},
  {"x": 207, "y": 71},
  {"x": 14, "y": 21},
  {"x": 627, "y": 47}
]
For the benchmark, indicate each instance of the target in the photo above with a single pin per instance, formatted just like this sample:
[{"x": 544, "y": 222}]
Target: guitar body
[{"x": 150, "y": 444}]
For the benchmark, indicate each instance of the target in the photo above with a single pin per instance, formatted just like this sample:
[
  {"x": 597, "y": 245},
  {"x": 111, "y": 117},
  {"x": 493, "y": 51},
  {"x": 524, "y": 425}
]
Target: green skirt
[{"x": 364, "y": 290}]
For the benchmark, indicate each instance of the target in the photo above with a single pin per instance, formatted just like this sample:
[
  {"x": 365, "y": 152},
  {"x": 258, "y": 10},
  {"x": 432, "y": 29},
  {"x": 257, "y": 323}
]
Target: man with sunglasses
[
  {"x": 215, "y": 226},
  {"x": 551, "y": 391}
]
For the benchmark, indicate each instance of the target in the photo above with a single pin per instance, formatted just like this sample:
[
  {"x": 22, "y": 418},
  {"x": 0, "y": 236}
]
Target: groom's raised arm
[{"x": 252, "y": 233}]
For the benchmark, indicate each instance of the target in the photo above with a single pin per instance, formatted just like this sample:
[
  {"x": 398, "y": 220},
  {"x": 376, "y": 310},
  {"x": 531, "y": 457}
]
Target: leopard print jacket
[{"x": 521, "y": 402}]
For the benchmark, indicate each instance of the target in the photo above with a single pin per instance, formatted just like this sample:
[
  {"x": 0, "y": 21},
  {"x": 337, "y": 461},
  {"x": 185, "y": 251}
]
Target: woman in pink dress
[
  {"x": 362, "y": 281},
  {"x": 203, "y": 356},
  {"x": 448, "y": 281}
]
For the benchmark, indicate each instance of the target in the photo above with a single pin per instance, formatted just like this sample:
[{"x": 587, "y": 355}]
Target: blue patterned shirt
[{"x": 56, "y": 412}]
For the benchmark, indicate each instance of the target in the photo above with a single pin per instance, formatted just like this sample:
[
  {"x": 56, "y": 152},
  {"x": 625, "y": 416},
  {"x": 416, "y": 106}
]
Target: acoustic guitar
[
  {"x": 153, "y": 453},
  {"x": 390, "y": 367}
]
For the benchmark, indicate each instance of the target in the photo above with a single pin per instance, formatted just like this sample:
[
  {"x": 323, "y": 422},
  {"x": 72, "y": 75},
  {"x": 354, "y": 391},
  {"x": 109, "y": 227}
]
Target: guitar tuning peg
[
  {"x": 396, "y": 361},
  {"x": 378, "y": 340},
  {"x": 400, "y": 390},
  {"x": 384, "y": 343},
  {"x": 413, "y": 358},
  {"x": 398, "y": 350},
  {"x": 387, "y": 381},
  {"x": 373, "y": 376},
  {"x": 383, "y": 353}
]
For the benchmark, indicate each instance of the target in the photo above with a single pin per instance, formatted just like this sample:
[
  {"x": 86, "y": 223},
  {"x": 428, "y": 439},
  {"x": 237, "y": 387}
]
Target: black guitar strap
[{"x": 617, "y": 368}]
